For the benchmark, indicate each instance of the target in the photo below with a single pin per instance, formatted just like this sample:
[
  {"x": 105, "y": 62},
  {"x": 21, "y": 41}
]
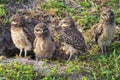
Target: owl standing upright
[
  {"x": 19, "y": 33},
  {"x": 43, "y": 44},
  {"x": 72, "y": 38},
  {"x": 105, "y": 29}
]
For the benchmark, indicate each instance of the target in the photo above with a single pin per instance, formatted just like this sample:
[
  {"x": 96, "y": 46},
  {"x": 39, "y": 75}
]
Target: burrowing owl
[
  {"x": 105, "y": 29},
  {"x": 43, "y": 43},
  {"x": 73, "y": 39},
  {"x": 19, "y": 33}
]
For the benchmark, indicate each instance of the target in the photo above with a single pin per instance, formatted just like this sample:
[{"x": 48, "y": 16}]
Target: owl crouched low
[
  {"x": 19, "y": 34},
  {"x": 44, "y": 46}
]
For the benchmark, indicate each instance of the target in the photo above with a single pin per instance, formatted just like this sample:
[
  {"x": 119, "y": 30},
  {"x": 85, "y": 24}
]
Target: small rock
[{"x": 3, "y": 58}]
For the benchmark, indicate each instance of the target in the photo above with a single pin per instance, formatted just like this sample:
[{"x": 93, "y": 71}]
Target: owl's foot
[
  {"x": 37, "y": 59},
  {"x": 103, "y": 49},
  {"x": 18, "y": 56},
  {"x": 28, "y": 57},
  {"x": 69, "y": 58}
]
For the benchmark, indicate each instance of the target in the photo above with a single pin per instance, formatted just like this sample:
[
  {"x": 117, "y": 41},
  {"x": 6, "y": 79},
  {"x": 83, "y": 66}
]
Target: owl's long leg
[
  {"x": 20, "y": 52},
  {"x": 102, "y": 49},
  {"x": 69, "y": 57},
  {"x": 71, "y": 53},
  {"x": 25, "y": 52}
]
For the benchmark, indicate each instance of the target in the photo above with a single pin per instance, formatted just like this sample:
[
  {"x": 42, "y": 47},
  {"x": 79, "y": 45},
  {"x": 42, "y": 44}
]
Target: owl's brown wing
[
  {"x": 29, "y": 34},
  {"x": 74, "y": 38},
  {"x": 98, "y": 29}
]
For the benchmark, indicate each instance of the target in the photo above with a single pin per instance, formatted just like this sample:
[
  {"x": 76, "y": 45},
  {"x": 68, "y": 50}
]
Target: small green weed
[
  {"x": 2, "y": 10},
  {"x": 21, "y": 1},
  {"x": 16, "y": 71},
  {"x": 3, "y": 1}
]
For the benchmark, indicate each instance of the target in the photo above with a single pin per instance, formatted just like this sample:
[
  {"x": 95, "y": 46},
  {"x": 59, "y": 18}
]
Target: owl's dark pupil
[
  {"x": 45, "y": 30},
  {"x": 111, "y": 14}
]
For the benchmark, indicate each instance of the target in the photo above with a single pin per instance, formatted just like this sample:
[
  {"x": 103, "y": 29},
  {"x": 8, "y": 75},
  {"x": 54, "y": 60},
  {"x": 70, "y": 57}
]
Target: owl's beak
[
  {"x": 41, "y": 31},
  {"x": 64, "y": 25}
]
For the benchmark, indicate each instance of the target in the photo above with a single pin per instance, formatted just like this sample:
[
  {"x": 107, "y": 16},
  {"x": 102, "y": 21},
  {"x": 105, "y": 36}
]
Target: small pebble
[{"x": 3, "y": 58}]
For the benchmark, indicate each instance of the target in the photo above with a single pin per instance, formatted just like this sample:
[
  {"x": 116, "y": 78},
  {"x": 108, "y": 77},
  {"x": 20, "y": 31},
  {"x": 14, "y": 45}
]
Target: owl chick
[
  {"x": 105, "y": 29},
  {"x": 43, "y": 44},
  {"x": 72, "y": 38},
  {"x": 19, "y": 34}
]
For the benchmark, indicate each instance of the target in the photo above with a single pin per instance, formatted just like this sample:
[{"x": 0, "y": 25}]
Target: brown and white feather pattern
[
  {"x": 29, "y": 35},
  {"x": 43, "y": 43},
  {"x": 105, "y": 29},
  {"x": 19, "y": 34},
  {"x": 20, "y": 38},
  {"x": 104, "y": 32},
  {"x": 43, "y": 48},
  {"x": 74, "y": 38},
  {"x": 98, "y": 30}
]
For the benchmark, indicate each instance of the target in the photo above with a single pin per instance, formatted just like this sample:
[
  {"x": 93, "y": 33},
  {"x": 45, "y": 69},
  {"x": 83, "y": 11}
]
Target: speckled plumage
[
  {"x": 105, "y": 29},
  {"x": 43, "y": 43},
  {"x": 19, "y": 33},
  {"x": 73, "y": 39}
]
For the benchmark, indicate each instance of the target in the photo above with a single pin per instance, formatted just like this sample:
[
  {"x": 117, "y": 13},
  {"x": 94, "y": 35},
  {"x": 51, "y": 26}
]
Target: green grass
[
  {"x": 2, "y": 10},
  {"x": 92, "y": 67},
  {"x": 3, "y": 13},
  {"x": 16, "y": 71},
  {"x": 83, "y": 15},
  {"x": 3, "y": 1}
]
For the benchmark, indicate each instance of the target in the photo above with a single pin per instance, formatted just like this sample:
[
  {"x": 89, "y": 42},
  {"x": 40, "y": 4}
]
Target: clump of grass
[
  {"x": 105, "y": 67},
  {"x": 3, "y": 13},
  {"x": 21, "y": 1},
  {"x": 16, "y": 71},
  {"x": 2, "y": 10},
  {"x": 72, "y": 68},
  {"x": 3, "y": 1}
]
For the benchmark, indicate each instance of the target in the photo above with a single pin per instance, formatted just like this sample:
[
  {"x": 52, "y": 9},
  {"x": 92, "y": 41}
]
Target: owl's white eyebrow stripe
[{"x": 13, "y": 22}]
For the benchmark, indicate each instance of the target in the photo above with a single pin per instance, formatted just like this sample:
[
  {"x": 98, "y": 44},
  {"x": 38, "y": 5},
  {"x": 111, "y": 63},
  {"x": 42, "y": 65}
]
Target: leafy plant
[
  {"x": 3, "y": 1},
  {"x": 85, "y": 4},
  {"x": 2, "y": 10},
  {"x": 21, "y": 1},
  {"x": 16, "y": 71}
]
